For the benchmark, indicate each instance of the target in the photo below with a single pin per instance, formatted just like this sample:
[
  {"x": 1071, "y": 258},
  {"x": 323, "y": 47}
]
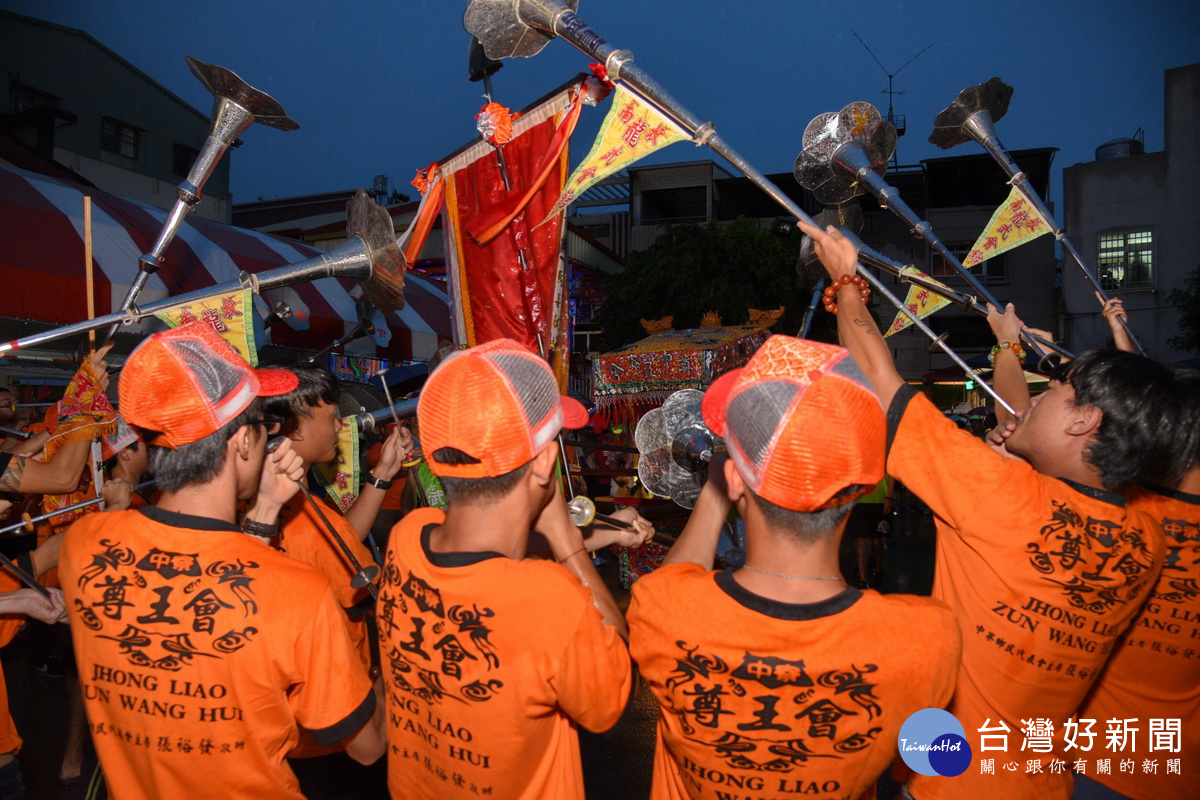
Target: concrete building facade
[
  {"x": 1133, "y": 216},
  {"x": 73, "y": 100}
]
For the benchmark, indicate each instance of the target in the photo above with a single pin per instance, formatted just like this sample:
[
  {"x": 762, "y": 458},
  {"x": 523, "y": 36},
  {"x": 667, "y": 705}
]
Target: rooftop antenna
[{"x": 897, "y": 121}]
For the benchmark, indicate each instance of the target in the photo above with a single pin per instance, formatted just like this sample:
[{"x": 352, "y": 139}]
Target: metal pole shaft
[
  {"x": 620, "y": 66},
  {"x": 68, "y": 509},
  {"x": 890, "y": 197},
  {"x": 880, "y": 287},
  {"x": 1020, "y": 180},
  {"x": 960, "y": 299}
]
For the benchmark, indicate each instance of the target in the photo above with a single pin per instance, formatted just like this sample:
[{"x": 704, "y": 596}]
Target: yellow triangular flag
[
  {"x": 1016, "y": 221},
  {"x": 227, "y": 316},
  {"x": 920, "y": 301},
  {"x": 633, "y": 129},
  {"x": 340, "y": 477}
]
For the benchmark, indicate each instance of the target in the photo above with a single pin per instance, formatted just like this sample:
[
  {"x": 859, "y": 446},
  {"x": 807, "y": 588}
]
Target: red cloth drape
[{"x": 498, "y": 298}]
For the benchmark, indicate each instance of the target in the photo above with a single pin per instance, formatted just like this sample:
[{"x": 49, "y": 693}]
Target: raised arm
[
  {"x": 396, "y": 449},
  {"x": 856, "y": 328},
  {"x": 697, "y": 543},
  {"x": 1008, "y": 377},
  {"x": 1114, "y": 315},
  {"x": 566, "y": 544},
  {"x": 59, "y": 475}
]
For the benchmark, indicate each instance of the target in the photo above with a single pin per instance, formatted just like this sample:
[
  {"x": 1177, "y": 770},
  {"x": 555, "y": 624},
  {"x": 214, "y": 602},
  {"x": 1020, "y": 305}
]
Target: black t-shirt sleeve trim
[
  {"x": 5, "y": 459},
  {"x": 348, "y": 726},
  {"x": 895, "y": 412}
]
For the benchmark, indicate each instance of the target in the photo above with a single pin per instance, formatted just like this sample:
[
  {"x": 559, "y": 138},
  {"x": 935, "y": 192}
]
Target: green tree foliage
[
  {"x": 723, "y": 267},
  {"x": 1187, "y": 300}
]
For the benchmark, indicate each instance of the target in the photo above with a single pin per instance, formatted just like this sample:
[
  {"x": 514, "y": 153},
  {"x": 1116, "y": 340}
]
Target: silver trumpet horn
[
  {"x": 370, "y": 420},
  {"x": 847, "y": 151},
  {"x": 972, "y": 115},
  {"x": 676, "y": 447},
  {"x": 236, "y": 106},
  {"x": 370, "y": 255},
  {"x": 521, "y": 28}
]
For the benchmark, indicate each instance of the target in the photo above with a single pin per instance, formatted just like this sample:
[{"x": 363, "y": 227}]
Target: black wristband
[
  {"x": 378, "y": 483},
  {"x": 260, "y": 528}
]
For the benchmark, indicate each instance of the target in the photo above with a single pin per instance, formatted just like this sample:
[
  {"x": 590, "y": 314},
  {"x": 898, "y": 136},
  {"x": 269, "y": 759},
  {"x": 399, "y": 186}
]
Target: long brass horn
[
  {"x": 847, "y": 151},
  {"x": 370, "y": 255},
  {"x": 236, "y": 106},
  {"x": 972, "y": 115},
  {"x": 521, "y": 28}
]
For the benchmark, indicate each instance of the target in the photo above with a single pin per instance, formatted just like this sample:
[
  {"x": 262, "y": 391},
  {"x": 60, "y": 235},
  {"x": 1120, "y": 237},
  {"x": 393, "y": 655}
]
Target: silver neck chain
[{"x": 793, "y": 577}]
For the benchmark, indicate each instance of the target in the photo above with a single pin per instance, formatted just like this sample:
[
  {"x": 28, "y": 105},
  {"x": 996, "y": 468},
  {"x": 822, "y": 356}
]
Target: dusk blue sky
[{"x": 381, "y": 87}]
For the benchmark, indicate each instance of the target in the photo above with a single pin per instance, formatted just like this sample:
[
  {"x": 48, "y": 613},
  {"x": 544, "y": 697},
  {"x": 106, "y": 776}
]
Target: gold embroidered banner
[
  {"x": 1015, "y": 222},
  {"x": 340, "y": 477},
  {"x": 228, "y": 317},
  {"x": 920, "y": 301},
  {"x": 632, "y": 130}
]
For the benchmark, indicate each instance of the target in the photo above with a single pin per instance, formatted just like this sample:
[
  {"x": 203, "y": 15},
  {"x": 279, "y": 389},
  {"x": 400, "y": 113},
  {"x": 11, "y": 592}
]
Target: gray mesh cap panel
[
  {"x": 536, "y": 389},
  {"x": 218, "y": 378},
  {"x": 753, "y": 416}
]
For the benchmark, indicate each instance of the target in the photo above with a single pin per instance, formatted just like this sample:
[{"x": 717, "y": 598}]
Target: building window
[
  {"x": 993, "y": 270},
  {"x": 1126, "y": 259},
  {"x": 120, "y": 138},
  {"x": 182, "y": 159}
]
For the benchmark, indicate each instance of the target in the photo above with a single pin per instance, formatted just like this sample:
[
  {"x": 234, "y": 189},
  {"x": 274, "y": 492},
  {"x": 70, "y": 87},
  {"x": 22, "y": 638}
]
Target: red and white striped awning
[{"x": 42, "y": 275}]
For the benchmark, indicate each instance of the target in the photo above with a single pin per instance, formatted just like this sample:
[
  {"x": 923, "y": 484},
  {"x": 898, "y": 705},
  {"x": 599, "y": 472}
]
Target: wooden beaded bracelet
[{"x": 829, "y": 296}]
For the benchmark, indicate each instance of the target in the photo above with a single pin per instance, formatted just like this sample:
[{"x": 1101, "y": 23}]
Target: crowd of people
[{"x": 232, "y": 622}]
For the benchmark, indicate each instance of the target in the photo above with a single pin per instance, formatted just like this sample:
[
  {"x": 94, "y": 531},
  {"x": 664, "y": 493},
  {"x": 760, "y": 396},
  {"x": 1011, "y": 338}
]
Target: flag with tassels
[
  {"x": 920, "y": 301},
  {"x": 340, "y": 477},
  {"x": 1015, "y": 222},
  {"x": 226, "y": 315},
  {"x": 633, "y": 129}
]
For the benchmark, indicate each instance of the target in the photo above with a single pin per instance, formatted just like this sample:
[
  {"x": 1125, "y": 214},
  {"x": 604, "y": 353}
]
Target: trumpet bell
[
  {"x": 859, "y": 124},
  {"x": 950, "y": 126},
  {"x": 372, "y": 223},
  {"x": 675, "y": 447},
  {"x": 509, "y": 29},
  {"x": 224, "y": 83}
]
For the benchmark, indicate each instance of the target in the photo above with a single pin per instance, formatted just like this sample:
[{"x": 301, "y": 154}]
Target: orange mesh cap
[
  {"x": 801, "y": 423},
  {"x": 498, "y": 403},
  {"x": 183, "y": 384}
]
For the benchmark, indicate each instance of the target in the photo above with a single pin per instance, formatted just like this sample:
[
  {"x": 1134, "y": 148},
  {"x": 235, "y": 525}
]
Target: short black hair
[
  {"x": 474, "y": 491},
  {"x": 808, "y": 527},
  {"x": 1187, "y": 392},
  {"x": 317, "y": 385},
  {"x": 202, "y": 460},
  {"x": 1137, "y": 440}
]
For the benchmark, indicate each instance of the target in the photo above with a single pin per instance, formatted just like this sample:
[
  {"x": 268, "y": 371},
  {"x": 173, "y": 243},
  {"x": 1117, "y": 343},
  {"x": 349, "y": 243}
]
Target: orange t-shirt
[
  {"x": 489, "y": 663},
  {"x": 773, "y": 700},
  {"x": 10, "y": 740},
  {"x": 302, "y": 536},
  {"x": 1043, "y": 575},
  {"x": 1154, "y": 673},
  {"x": 200, "y": 652}
]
